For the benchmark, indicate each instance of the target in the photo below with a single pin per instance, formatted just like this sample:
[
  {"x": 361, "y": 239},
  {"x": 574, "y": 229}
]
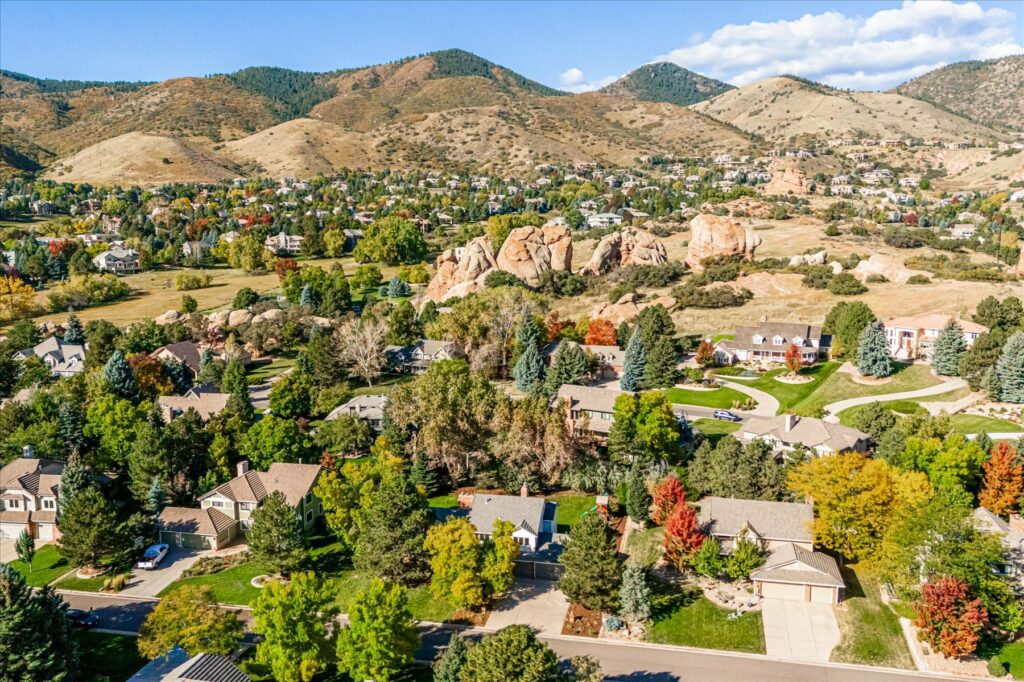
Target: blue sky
[{"x": 572, "y": 45}]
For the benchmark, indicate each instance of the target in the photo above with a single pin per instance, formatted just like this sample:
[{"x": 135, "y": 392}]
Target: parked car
[
  {"x": 727, "y": 416},
  {"x": 152, "y": 557},
  {"x": 82, "y": 619}
]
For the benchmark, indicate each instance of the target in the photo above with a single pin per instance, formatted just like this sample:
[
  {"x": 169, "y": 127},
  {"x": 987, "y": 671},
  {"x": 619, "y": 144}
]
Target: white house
[
  {"x": 284, "y": 243},
  {"x": 28, "y": 497},
  {"x": 63, "y": 359},
  {"x": 118, "y": 261},
  {"x": 784, "y": 432},
  {"x": 533, "y": 518},
  {"x": 769, "y": 341},
  {"x": 910, "y": 338},
  {"x": 368, "y": 408},
  {"x": 604, "y": 220}
]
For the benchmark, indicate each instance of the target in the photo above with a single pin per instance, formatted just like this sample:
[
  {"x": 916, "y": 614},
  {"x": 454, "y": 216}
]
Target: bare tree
[{"x": 361, "y": 345}]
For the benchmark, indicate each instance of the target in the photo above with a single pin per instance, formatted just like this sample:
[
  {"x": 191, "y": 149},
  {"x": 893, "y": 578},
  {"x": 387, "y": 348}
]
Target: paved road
[
  {"x": 622, "y": 662},
  {"x": 944, "y": 387},
  {"x": 995, "y": 435},
  {"x": 767, "y": 404}
]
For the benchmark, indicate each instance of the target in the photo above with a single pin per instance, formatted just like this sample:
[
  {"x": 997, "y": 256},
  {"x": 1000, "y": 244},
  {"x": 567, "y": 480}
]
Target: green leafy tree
[
  {"x": 634, "y": 365},
  {"x": 1010, "y": 369},
  {"x": 276, "y": 537},
  {"x": 119, "y": 377},
  {"x": 844, "y": 323},
  {"x": 592, "y": 570},
  {"x": 380, "y": 640},
  {"x": 635, "y": 594},
  {"x": 25, "y": 548},
  {"x": 708, "y": 560},
  {"x": 346, "y": 435},
  {"x": 273, "y": 439},
  {"x": 449, "y": 663},
  {"x": 874, "y": 419},
  {"x": 467, "y": 572},
  {"x": 744, "y": 559},
  {"x": 293, "y": 618},
  {"x": 36, "y": 642},
  {"x": 191, "y": 618},
  {"x": 513, "y": 654},
  {"x": 292, "y": 396},
  {"x": 90, "y": 531},
  {"x": 390, "y": 540},
  {"x": 403, "y": 329},
  {"x": 873, "y": 353},
  {"x": 949, "y": 348},
  {"x": 391, "y": 241},
  {"x": 660, "y": 371},
  {"x": 638, "y": 500},
  {"x": 643, "y": 428},
  {"x": 529, "y": 370}
]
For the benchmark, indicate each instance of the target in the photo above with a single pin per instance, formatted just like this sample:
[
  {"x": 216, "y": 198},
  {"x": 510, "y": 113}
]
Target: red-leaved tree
[
  {"x": 600, "y": 333},
  {"x": 682, "y": 536},
  {"x": 1004, "y": 481},
  {"x": 284, "y": 266},
  {"x": 667, "y": 496},
  {"x": 705, "y": 355},
  {"x": 793, "y": 359},
  {"x": 950, "y": 618}
]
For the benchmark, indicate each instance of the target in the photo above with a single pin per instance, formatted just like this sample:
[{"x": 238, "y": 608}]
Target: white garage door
[
  {"x": 11, "y": 530},
  {"x": 45, "y": 531},
  {"x": 823, "y": 595},
  {"x": 782, "y": 591}
]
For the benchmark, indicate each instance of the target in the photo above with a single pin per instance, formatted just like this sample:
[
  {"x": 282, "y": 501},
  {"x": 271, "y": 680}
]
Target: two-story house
[
  {"x": 911, "y": 338},
  {"x": 225, "y": 511},
  {"x": 28, "y": 497},
  {"x": 64, "y": 359},
  {"x": 588, "y": 409},
  {"x": 769, "y": 341},
  {"x": 368, "y": 408},
  {"x": 609, "y": 359},
  {"x": 118, "y": 261},
  {"x": 284, "y": 243},
  {"x": 418, "y": 357},
  {"x": 784, "y": 432}
]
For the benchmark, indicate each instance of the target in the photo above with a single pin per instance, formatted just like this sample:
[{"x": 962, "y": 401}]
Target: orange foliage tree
[
  {"x": 284, "y": 266},
  {"x": 793, "y": 360},
  {"x": 667, "y": 496},
  {"x": 705, "y": 356},
  {"x": 682, "y": 536},
  {"x": 1004, "y": 481},
  {"x": 950, "y": 617},
  {"x": 150, "y": 376},
  {"x": 600, "y": 333}
]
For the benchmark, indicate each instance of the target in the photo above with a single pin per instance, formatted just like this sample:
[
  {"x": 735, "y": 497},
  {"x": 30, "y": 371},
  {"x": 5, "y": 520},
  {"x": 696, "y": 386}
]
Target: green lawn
[
  {"x": 571, "y": 506},
  {"x": 644, "y": 546},
  {"x": 900, "y": 407},
  {"x": 443, "y": 501},
  {"x": 423, "y": 606},
  {"x": 715, "y": 429},
  {"x": 686, "y": 618},
  {"x": 73, "y": 582},
  {"x": 260, "y": 373},
  {"x": 870, "y": 629},
  {"x": 840, "y": 386},
  {"x": 720, "y": 398},
  {"x": 972, "y": 423},
  {"x": 1012, "y": 656},
  {"x": 789, "y": 395},
  {"x": 232, "y": 586},
  {"x": 382, "y": 385},
  {"x": 47, "y": 565},
  {"x": 108, "y": 657}
]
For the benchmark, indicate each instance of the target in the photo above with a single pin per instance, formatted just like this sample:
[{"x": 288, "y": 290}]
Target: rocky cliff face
[
  {"x": 460, "y": 276},
  {"x": 625, "y": 247},
  {"x": 719, "y": 236}
]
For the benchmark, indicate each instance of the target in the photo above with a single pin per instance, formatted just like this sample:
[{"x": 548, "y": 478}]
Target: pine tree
[
  {"x": 391, "y": 533},
  {"x": 397, "y": 288},
  {"x": 638, "y": 501},
  {"x": 744, "y": 559},
  {"x": 148, "y": 460},
  {"x": 569, "y": 367},
  {"x": 119, "y": 376},
  {"x": 1009, "y": 370},
  {"x": 422, "y": 476},
  {"x": 70, "y": 427},
  {"x": 36, "y": 642},
  {"x": 308, "y": 297},
  {"x": 635, "y": 594},
  {"x": 276, "y": 537},
  {"x": 74, "y": 332},
  {"x": 73, "y": 480},
  {"x": 592, "y": 571},
  {"x": 449, "y": 663},
  {"x": 634, "y": 365},
  {"x": 622, "y": 334},
  {"x": 983, "y": 441},
  {"x": 661, "y": 371},
  {"x": 156, "y": 498},
  {"x": 529, "y": 370},
  {"x": 949, "y": 348},
  {"x": 528, "y": 333},
  {"x": 873, "y": 353}
]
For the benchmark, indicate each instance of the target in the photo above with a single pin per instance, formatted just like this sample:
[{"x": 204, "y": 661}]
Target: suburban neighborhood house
[
  {"x": 793, "y": 570},
  {"x": 588, "y": 409},
  {"x": 190, "y": 354},
  {"x": 284, "y": 243},
  {"x": 787, "y": 431},
  {"x": 63, "y": 359},
  {"x": 225, "y": 511},
  {"x": 1011, "y": 534},
  {"x": 769, "y": 341},
  {"x": 418, "y": 357},
  {"x": 28, "y": 497},
  {"x": 118, "y": 261},
  {"x": 911, "y": 338},
  {"x": 368, "y": 408},
  {"x": 205, "y": 399},
  {"x": 177, "y": 666},
  {"x": 609, "y": 359},
  {"x": 532, "y": 517}
]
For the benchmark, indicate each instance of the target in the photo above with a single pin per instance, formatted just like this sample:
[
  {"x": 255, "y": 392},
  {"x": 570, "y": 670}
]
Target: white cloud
[
  {"x": 874, "y": 52},
  {"x": 573, "y": 80},
  {"x": 572, "y": 76}
]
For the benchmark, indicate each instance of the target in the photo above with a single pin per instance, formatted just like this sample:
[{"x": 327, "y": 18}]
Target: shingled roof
[
  {"x": 728, "y": 517},
  {"x": 207, "y": 521},
  {"x": 790, "y": 563},
  {"x": 292, "y": 480}
]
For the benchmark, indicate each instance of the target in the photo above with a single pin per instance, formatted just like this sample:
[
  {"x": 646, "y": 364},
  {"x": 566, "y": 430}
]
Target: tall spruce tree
[
  {"x": 592, "y": 570},
  {"x": 156, "y": 498},
  {"x": 568, "y": 367},
  {"x": 73, "y": 480},
  {"x": 873, "y": 353},
  {"x": 73, "y": 331},
  {"x": 528, "y": 333},
  {"x": 422, "y": 476},
  {"x": 36, "y": 642},
  {"x": 1009, "y": 370},
  {"x": 638, "y": 500},
  {"x": 308, "y": 297},
  {"x": 949, "y": 348},
  {"x": 661, "y": 371},
  {"x": 448, "y": 665},
  {"x": 529, "y": 370},
  {"x": 634, "y": 365},
  {"x": 392, "y": 531},
  {"x": 635, "y": 594},
  {"x": 119, "y": 376},
  {"x": 70, "y": 425}
]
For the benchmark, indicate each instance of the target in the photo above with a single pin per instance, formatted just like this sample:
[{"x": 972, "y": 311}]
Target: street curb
[
  {"x": 107, "y": 631},
  {"x": 109, "y": 595}
]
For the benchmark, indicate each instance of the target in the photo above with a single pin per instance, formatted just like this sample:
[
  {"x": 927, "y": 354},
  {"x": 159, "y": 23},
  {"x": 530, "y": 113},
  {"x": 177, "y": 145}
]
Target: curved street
[{"x": 835, "y": 408}]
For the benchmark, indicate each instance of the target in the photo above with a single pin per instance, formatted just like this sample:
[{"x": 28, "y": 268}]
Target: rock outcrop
[
  {"x": 167, "y": 318},
  {"x": 524, "y": 254},
  {"x": 629, "y": 246},
  {"x": 890, "y": 267},
  {"x": 558, "y": 239},
  {"x": 809, "y": 259},
  {"x": 236, "y": 318},
  {"x": 787, "y": 181},
  {"x": 462, "y": 273},
  {"x": 713, "y": 235},
  {"x": 623, "y": 310}
]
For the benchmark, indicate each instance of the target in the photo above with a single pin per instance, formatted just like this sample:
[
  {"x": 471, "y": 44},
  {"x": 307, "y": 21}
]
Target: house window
[
  {"x": 245, "y": 506},
  {"x": 49, "y": 503},
  {"x": 799, "y": 341},
  {"x": 217, "y": 503},
  {"x": 758, "y": 339},
  {"x": 309, "y": 516},
  {"x": 14, "y": 504},
  {"x": 778, "y": 340},
  {"x": 309, "y": 497}
]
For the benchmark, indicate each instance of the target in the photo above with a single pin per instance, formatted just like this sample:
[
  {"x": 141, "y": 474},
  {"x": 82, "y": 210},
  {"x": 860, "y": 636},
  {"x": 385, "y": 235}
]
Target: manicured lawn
[
  {"x": 972, "y": 423},
  {"x": 423, "y": 606},
  {"x": 870, "y": 629},
  {"x": 644, "y": 546},
  {"x": 47, "y": 565},
  {"x": 232, "y": 586},
  {"x": 719, "y": 398},
  {"x": 714, "y": 429},
  {"x": 688, "y": 619},
  {"x": 260, "y": 373},
  {"x": 571, "y": 506},
  {"x": 108, "y": 657},
  {"x": 840, "y": 386},
  {"x": 443, "y": 501},
  {"x": 1012, "y": 656},
  {"x": 382, "y": 385},
  {"x": 900, "y": 407},
  {"x": 73, "y": 582},
  {"x": 789, "y": 395}
]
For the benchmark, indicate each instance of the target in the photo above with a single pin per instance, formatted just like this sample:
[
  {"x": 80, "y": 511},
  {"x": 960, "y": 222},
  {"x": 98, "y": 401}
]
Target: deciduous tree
[
  {"x": 1003, "y": 484},
  {"x": 380, "y": 639},
  {"x": 950, "y": 618},
  {"x": 191, "y": 618},
  {"x": 360, "y": 344},
  {"x": 794, "y": 360},
  {"x": 682, "y": 536},
  {"x": 600, "y": 332},
  {"x": 273, "y": 439},
  {"x": 667, "y": 495},
  {"x": 293, "y": 618},
  {"x": 705, "y": 356}
]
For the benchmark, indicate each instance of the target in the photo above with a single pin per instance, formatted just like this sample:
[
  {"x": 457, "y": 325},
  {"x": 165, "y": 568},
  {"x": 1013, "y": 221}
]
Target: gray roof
[
  {"x": 369, "y": 407},
  {"x": 527, "y": 513},
  {"x": 588, "y": 397},
  {"x": 160, "y": 667},
  {"x": 791, "y": 563},
  {"x": 728, "y": 517},
  {"x": 209, "y": 668},
  {"x": 744, "y": 336},
  {"x": 808, "y": 431}
]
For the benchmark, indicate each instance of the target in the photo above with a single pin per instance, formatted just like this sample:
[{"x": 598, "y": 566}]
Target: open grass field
[
  {"x": 973, "y": 423},
  {"x": 840, "y": 386},
  {"x": 789, "y": 395},
  {"x": 258, "y": 373},
  {"x": 47, "y": 566},
  {"x": 571, "y": 507},
  {"x": 108, "y": 658},
  {"x": 870, "y": 629},
  {"x": 644, "y": 546},
  {"x": 686, "y": 618},
  {"x": 715, "y": 429},
  {"x": 719, "y": 398}
]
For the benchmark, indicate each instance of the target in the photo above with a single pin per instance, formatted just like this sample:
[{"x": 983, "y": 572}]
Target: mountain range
[{"x": 449, "y": 110}]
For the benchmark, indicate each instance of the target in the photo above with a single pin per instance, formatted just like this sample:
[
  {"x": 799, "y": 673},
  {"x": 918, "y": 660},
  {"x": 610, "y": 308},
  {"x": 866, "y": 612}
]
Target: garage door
[
  {"x": 823, "y": 595},
  {"x": 45, "y": 531},
  {"x": 782, "y": 591},
  {"x": 187, "y": 540},
  {"x": 11, "y": 530}
]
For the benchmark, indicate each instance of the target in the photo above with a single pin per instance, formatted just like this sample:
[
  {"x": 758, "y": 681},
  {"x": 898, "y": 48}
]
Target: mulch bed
[
  {"x": 581, "y": 621},
  {"x": 467, "y": 617}
]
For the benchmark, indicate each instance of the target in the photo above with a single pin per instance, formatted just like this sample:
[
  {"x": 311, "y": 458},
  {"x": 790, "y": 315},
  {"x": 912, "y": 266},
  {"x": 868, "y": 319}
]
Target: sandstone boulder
[
  {"x": 460, "y": 273},
  {"x": 167, "y": 318},
  {"x": 787, "y": 181},
  {"x": 890, "y": 267},
  {"x": 713, "y": 235},
  {"x": 629, "y": 246},
  {"x": 809, "y": 259},
  {"x": 624, "y": 310},
  {"x": 237, "y": 318},
  {"x": 837, "y": 267},
  {"x": 218, "y": 319},
  {"x": 272, "y": 314},
  {"x": 558, "y": 239},
  {"x": 524, "y": 254}
]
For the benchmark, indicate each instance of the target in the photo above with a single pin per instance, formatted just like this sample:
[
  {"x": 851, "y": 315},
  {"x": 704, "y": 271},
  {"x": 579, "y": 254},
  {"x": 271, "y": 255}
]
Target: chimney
[
  {"x": 790, "y": 421},
  {"x": 465, "y": 500},
  {"x": 1017, "y": 523},
  {"x": 243, "y": 467},
  {"x": 28, "y": 452},
  {"x": 524, "y": 491}
]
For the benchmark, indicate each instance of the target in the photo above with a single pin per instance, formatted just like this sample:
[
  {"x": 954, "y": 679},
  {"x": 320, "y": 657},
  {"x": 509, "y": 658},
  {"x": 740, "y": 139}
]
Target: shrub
[
  {"x": 82, "y": 291},
  {"x": 187, "y": 281},
  {"x": 845, "y": 284},
  {"x": 500, "y": 278},
  {"x": 215, "y": 564},
  {"x": 612, "y": 623},
  {"x": 818, "y": 277},
  {"x": 901, "y": 238},
  {"x": 652, "y": 275},
  {"x": 561, "y": 283},
  {"x": 918, "y": 279},
  {"x": 723, "y": 296},
  {"x": 995, "y": 667},
  {"x": 115, "y": 583}
]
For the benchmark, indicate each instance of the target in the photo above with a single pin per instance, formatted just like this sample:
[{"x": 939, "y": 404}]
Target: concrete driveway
[
  {"x": 9, "y": 554},
  {"x": 149, "y": 583},
  {"x": 536, "y": 603},
  {"x": 799, "y": 630}
]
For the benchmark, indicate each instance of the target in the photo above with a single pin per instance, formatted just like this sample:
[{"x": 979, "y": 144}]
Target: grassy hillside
[{"x": 667, "y": 82}]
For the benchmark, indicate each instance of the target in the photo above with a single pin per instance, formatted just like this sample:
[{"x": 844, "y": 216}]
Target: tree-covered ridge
[
  {"x": 454, "y": 63},
  {"x": 49, "y": 85},
  {"x": 295, "y": 91},
  {"x": 667, "y": 82}
]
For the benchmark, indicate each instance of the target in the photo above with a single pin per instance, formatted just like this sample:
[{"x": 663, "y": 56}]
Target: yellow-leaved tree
[{"x": 17, "y": 299}]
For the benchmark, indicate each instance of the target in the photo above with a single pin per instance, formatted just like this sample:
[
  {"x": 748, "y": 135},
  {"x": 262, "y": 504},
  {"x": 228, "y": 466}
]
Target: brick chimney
[
  {"x": 243, "y": 467},
  {"x": 1017, "y": 523},
  {"x": 524, "y": 491},
  {"x": 465, "y": 500},
  {"x": 790, "y": 420}
]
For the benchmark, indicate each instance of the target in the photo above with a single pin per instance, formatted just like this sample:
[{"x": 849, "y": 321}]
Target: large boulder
[
  {"x": 462, "y": 272},
  {"x": 237, "y": 318},
  {"x": 558, "y": 239},
  {"x": 524, "y": 254},
  {"x": 629, "y": 246},
  {"x": 890, "y": 267},
  {"x": 787, "y": 181},
  {"x": 809, "y": 259},
  {"x": 167, "y": 318},
  {"x": 623, "y": 310},
  {"x": 713, "y": 235}
]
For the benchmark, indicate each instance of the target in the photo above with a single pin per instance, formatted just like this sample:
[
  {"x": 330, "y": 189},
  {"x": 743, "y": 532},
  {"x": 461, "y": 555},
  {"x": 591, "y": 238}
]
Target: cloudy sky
[{"x": 578, "y": 46}]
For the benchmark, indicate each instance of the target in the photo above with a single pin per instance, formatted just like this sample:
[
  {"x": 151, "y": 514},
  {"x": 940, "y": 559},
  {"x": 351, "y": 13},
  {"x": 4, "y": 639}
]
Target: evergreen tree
[
  {"x": 873, "y": 352},
  {"x": 634, "y": 365},
  {"x": 638, "y": 500},
  {"x": 1010, "y": 370},
  {"x": 156, "y": 498},
  {"x": 984, "y": 442},
  {"x": 513, "y": 654},
  {"x": 529, "y": 369},
  {"x": 568, "y": 367},
  {"x": 661, "y": 371},
  {"x": 397, "y": 288},
  {"x": 70, "y": 425},
  {"x": 276, "y": 536},
  {"x": 73, "y": 480},
  {"x": 308, "y": 297},
  {"x": 235, "y": 382},
  {"x": 36, "y": 642},
  {"x": 622, "y": 334},
  {"x": 178, "y": 373},
  {"x": 708, "y": 560},
  {"x": 949, "y": 348},
  {"x": 90, "y": 532},
  {"x": 744, "y": 559},
  {"x": 147, "y": 461},
  {"x": 592, "y": 570},
  {"x": 422, "y": 476},
  {"x": 119, "y": 376},
  {"x": 528, "y": 333},
  {"x": 449, "y": 663},
  {"x": 25, "y": 548},
  {"x": 392, "y": 531},
  {"x": 635, "y": 594},
  {"x": 74, "y": 332}
]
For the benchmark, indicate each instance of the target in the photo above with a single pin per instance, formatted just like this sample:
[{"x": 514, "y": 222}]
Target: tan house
[
  {"x": 588, "y": 409},
  {"x": 28, "y": 497},
  {"x": 204, "y": 399},
  {"x": 368, "y": 408},
  {"x": 786, "y": 431},
  {"x": 418, "y": 357},
  {"x": 768, "y": 342},
  {"x": 911, "y": 338},
  {"x": 609, "y": 359}
]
